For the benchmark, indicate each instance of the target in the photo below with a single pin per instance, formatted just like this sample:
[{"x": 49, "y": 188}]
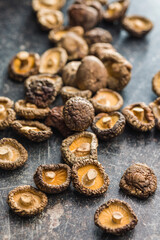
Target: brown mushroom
[
  {"x": 68, "y": 92},
  {"x": 155, "y": 106},
  {"x": 97, "y": 35},
  {"x": 156, "y": 83},
  {"x": 37, "y": 5},
  {"x": 98, "y": 49},
  {"x": 6, "y": 102},
  {"x": 69, "y": 73}
]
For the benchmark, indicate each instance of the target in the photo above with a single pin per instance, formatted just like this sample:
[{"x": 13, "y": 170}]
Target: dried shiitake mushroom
[
  {"x": 23, "y": 65},
  {"x": 53, "y": 60},
  {"x": 139, "y": 116},
  {"x": 108, "y": 125},
  {"x": 98, "y": 49},
  {"x": 37, "y": 5},
  {"x": 103, "y": 2},
  {"x": 116, "y": 10},
  {"x": 27, "y": 201},
  {"x": 137, "y": 26},
  {"x": 139, "y": 180},
  {"x": 78, "y": 113},
  {"x": 55, "y": 119},
  {"x": 89, "y": 178},
  {"x": 97, "y": 35},
  {"x": 75, "y": 45},
  {"x": 12, "y": 154},
  {"x": 53, "y": 178},
  {"x": 30, "y": 111},
  {"x": 115, "y": 217},
  {"x": 50, "y": 19},
  {"x": 107, "y": 100},
  {"x": 78, "y": 147},
  {"x": 33, "y": 130},
  {"x": 91, "y": 74},
  {"x": 155, "y": 106},
  {"x": 6, "y": 102},
  {"x": 156, "y": 84},
  {"x": 69, "y": 73},
  {"x": 68, "y": 92}
]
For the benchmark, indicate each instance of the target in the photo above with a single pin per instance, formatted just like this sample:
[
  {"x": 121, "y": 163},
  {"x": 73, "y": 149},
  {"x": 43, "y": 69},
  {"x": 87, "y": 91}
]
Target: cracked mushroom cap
[
  {"x": 53, "y": 60},
  {"x": 37, "y": 5},
  {"x": 90, "y": 178},
  {"x": 116, "y": 10},
  {"x": 155, "y": 106},
  {"x": 115, "y": 217},
  {"x": 23, "y": 65},
  {"x": 97, "y": 35},
  {"x": 12, "y": 154},
  {"x": 91, "y": 74},
  {"x": 68, "y": 92},
  {"x": 33, "y": 130},
  {"x": 97, "y": 49},
  {"x": 53, "y": 178},
  {"x": 139, "y": 180},
  {"x": 107, "y": 100},
  {"x": 79, "y": 147},
  {"x": 156, "y": 84},
  {"x": 78, "y": 113},
  {"x": 69, "y": 73},
  {"x": 26, "y": 201},
  {"x": 139, "y": 116},
  {"x": 137, "y": 26},
  {"x": 108, "y": 125}
]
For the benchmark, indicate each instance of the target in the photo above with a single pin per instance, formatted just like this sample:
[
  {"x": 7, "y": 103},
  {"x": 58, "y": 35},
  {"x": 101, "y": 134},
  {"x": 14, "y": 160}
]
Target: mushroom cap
[
  {"x": 68, "y": 92},
  {"x": 97, "y": 49},
  {"x": 47, "y": 4},
  {"x": 97, "y": 35},
  {"x": 155, "y": 83},
  {"x": 155, "y": 106},
  {"x": 69, "y": 73}
]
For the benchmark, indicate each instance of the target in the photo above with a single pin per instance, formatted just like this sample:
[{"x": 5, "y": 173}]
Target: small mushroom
[
  {"x": 155, "y": 106},
  {"x": 139, "y": 180},
  {"x": 68, "y": 92},
  {"x": 23, "y": 65},
  {"x": 156, "y": 84},
  {"x": 107, "y": 100},
  {"x": 78, "y": 147},
  {"x": 89, "y": 178},
  {"x": 115, "y": 217},
  {"x": 69, "y": 73},
  {"x": 139, "y": 116},
  {"x": 107, "y": 126},
  {"x": 97, "y": 35},
  {"x": 33, "y": 130},
  {"x": 53, "y": 178},
  {"x": 137, "y": 26},
  {"x": 91, "y": 74},
  {"x": 12, "y": 154},
  {"x": 53, "y": 60},
  {"x": 78, "y": 113},
  {"x": 98, "y": 49},
  {"x": 27, "y": 201},
  {"x": 37, "y": 5}
]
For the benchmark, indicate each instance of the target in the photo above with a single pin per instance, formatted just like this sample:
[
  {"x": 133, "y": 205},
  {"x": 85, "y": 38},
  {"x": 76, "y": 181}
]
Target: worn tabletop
[{"x": 70, "y": 215}]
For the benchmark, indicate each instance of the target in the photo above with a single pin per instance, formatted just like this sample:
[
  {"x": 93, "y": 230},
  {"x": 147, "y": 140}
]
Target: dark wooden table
[{"x": 69, "y": 215}]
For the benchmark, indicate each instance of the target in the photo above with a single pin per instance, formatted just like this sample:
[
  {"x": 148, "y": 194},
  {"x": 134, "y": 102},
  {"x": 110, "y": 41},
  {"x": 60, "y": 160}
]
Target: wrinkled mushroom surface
[
  {"x": 37, "y": 5},
  {"x": 97, "y": 35},
  {"x": 68, "y": 92},
  {"x": 69, "y": 73},
  {"x": 7, "y": 115},
  {"x": 6, "y": 102},
  {"x": 156, "y": 84},
  {"x": 155, "y": 106}
]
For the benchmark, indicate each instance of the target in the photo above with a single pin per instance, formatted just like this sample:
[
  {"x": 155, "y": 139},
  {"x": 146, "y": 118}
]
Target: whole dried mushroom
[
  {"x": 97, "y": 35},
  {"x": 12, "y": 154},
  {"x": 115, "y": 217},
  {"x": 107, "y": 126},
  {"x": 69, "y": 92},
  {"x": 69, "y": 73},
  {"x": 27, "y": 201},
  {"x": 139, "y": 116},
  {"x": 91, "y": 74},
  {"x": 55, "y": 119},
  {"x": 155, "y": 106},
  {"x": 33, "y": 130},
  {"x": 116, "y": 10},
  {"x": 53, "y": 60},
  {"x": 137, "y": 26},
  {"x": 79, "y": 147},
  {"x": 139, "y": 180},
  {"x": 50, "y": 19},
  {"x": 90, "y": 178},
  {"x": 37, "y": 5},
  {"x": 75, "y": 45},
  {"x": 23, "y": 65},
  {"x": 53, "y": 178},
  {"x": 107, "y": 100},
  {"x": 7, "y": 115},
  {"x": 98, "y": 49},
  {"x": 156, "y": 84},
  {"x": 78, "y": 113}
]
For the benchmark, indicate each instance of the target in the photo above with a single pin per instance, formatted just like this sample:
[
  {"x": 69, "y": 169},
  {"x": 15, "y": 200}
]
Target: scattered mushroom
[
  {"x": 69, "y": 73},
  {"x": 69, "y": 92},
  {"x": 6, "y": 102},
  {"x": 139, "y": 180},
  {"x": 156, "y": 84},
  {"x": 155, "y": 106},
  {"x": 97, "y": 35},
  {"x": 98, "y": 49},
  {"x": 37, "y": 5}
]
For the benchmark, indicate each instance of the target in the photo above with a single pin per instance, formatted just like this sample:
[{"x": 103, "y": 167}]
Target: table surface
[{"x": 70, "y": 215}]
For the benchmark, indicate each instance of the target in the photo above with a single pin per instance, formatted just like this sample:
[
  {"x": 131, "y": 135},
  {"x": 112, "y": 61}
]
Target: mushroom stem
[
  {"x": 2, "y": 109},
  {"x": 27, "y": 128},
  {"x": 23, "y": 55},
  {"x": 84, "y": 147},
  {"x": 139, "y": 112},
  {"x": 89, "y": 177},
  {"x": 117, "y": 217},
  {"x": 50, "y": 63},
  {"x": 26, "y": 199},
  {"x": 30, "y": 105},
  {"x": 50, "y": 174},
  {"x": 47, "y": 2},
  {"x": 106, "y": 122},
  {"x": 138, "y": 24},
  {"x": 4, "y": 152}
]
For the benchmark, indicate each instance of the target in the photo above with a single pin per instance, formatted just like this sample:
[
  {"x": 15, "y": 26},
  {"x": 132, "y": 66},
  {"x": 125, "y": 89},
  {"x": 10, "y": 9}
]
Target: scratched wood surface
[{"x": 70, "y": 215}]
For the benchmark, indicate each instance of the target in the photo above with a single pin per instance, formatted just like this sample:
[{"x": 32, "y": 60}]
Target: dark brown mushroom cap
[
  {"x": 78, "y": 113},
  {"x": 98, "y": 35},
  {"x": 55, "y": 119},
  {"x": 32, "y": 62},
  {"x": 147, "y": 124},
  {"x": 106, "y": 100},
  {"x": 69, "y": 73},
  {"x": 137, "y": 26},
  {"x": 91, "y": 74},
  {"x": 39, "y": 201},
  {"x": 6, "y": 118},
  {"x": 139, "y": 180},
  {"x": 15, "y": 151},
  {"x": 6, "y": 102},
  {"x": 68, "y": 92},
  {"x": 80, "y": 187},
  {"x": 155, "y": 106},
  {"x": 46, "y": 4},
  {"x": 39, "y": 134},
  {"x": 97, "y": 49},
  {"x": 113, "y": 131},
  {"x": 69, "y": 157},
  {"x": 155, "y": 83},
  {"x": 120, "y": 229},
  {"x": 52, "y": 188}
]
